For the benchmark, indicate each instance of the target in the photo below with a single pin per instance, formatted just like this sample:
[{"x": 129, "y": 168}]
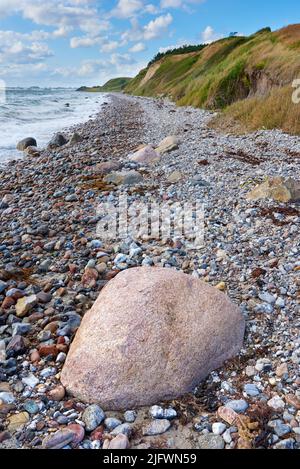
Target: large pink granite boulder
[
  {"x": 146, "y": 155},
  {"x": 153, "y": 334}
]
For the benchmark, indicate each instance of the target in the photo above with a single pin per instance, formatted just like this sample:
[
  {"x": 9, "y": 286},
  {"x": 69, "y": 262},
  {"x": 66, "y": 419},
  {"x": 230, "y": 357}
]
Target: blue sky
[{"x": 74, "y": 42}]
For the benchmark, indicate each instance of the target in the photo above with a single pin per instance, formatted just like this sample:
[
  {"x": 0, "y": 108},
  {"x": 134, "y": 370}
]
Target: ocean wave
[{"x": 39, "y": 113}]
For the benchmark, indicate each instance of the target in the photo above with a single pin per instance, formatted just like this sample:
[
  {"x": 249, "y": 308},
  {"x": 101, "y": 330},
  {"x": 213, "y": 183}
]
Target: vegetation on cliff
[
  {"x": 249, "y": 79},
  {"x": 114, "y": 85}
]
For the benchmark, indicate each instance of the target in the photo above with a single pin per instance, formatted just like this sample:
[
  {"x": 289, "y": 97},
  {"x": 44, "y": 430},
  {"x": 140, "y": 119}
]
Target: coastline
[{"x": 48, "y": 243}]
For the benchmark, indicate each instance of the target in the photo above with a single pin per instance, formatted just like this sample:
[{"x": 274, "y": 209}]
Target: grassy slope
[
  {"x": 114, "y": 85},
  {"x": 248, "y": 78}
]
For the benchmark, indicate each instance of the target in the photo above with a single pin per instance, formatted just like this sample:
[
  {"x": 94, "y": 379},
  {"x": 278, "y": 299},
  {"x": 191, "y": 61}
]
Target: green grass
[
  {"x": 114, "y": 85},
  {"x": 226, "y": 72}
]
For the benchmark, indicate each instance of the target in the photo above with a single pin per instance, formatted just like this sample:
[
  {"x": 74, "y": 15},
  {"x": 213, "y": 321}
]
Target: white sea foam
[{"x": 40, "y": 113}]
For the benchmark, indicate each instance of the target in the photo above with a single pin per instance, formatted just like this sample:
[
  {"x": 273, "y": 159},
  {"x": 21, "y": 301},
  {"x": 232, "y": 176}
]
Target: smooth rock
[
  {"x": 157, "y": 427},
  {"x": 167, "y": 145},
  {"x": 78, "y": 432},
  {"x": 92, "y": 417},
  {"x": 25, "y": 304},
  {"x": 59, "y": 440},
  {"x": 146, "y": 155},
  {"x": 57, "y": 141},
  {"x": 119, "y": 442},
  {"x": 130, "y": 416},
  {"x": 124, "y": 428},
  {"x": 210, "y": 441},
  {"x": 3, "y": 286},
  {"x": 25, "y": 143},
  {"x": 17, "y": 421},
  {"x": 129, "y": 178},
  {"x": 146, "y": 315},
  {"x": 251, "y": 390},
  {"x": 158, "y": 412},
  {"x": 278, "y": 189},
  {"x": 218, "y": 428},
  {"x": 57, "y": 393},
  {"x": 239, "y": 406},
  {"x": 279, "y": 427},
  {"x": 7, "y": 397},
  {"x": 111, "y": 423},
  {"x": 276, "y": 403},
  {"x": 174, "y": 177}
]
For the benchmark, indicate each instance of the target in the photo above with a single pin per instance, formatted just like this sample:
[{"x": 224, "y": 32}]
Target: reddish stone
[
  {"x": 35, "y": 317},
  {"x": 97, "y": 434},
  {"x": 228, "y": 415},
  {"x": 17, "y": 295},
  {"x": 61, "y": 340},
  {"x": 60, "y": 292},
  {"x": 62, "y": 348},
  {"x": 57, "y": 394},
  {"x": 46, "y": 350},
  {"x": 52, "y": 326},
  {"x": 112, "y": 274},
  {"x": 35, "y": 356},
  {"x": 89, "y": 278},
  {"x": 8, "y": 302},
  {"x": 68, "y": 404},
  {"x": 52, "y": 424},
  {"x": 78, "y": 432},
  {"x": 293, "y": 401},
  {"x": 40, "y": 425},
  {"x": 72, "y": 268}
]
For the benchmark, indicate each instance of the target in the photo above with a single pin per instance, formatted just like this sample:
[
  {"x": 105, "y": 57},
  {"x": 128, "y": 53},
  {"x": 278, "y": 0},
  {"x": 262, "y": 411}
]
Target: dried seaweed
[
  {"x": 240, "y": 155},
  {"x": 286, "y": 211},
  {"x": 19, "y": 274}
]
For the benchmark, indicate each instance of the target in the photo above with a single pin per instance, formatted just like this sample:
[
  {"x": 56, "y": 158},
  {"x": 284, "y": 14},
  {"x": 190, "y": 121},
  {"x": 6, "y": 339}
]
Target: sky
[{"x": 87, "y": 42}]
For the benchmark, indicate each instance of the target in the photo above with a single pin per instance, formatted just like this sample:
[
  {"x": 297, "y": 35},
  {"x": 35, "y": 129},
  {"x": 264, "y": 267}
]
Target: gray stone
[
  {"x": 30, "y": 381},
  {"x": 7, "y": 397},
  {"x": 279, "y": 427},
  {"x": 285, "y": 444},
  {"x": 92, "y": 417},
  {"x": 57, "y": 141},
  {"x": 25, "y": 143},
  {"x": 218, "y": 428},
  {"x": 130, "y": 416},
  {"x": 158, "y": 412},
  {"x": 239, "y": 406},
  {"x": 251, "y": 390},
  {"x": 210, "y": 441},
  {"x": 157, "y": 427},
  {"x": 124, "y": 429},
  {"x": 3, "y": 286},
  {"x": 111, "y": 423}
]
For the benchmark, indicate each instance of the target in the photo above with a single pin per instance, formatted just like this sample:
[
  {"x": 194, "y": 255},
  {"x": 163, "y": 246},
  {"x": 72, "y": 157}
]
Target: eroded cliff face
[{"x": 231, "y": 71}]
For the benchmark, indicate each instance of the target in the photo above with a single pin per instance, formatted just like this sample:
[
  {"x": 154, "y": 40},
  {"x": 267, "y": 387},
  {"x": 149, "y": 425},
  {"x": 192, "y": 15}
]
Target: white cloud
[
  {"x": 127, "y": 8},
  {"x": 179, "y": 3},
  {"x": 109, "y": 46},
  {"x": 157, "y": 27},
  {"x": 84, "y": 41},
  {"x": 209, "y": 35},
  {"x": 62, "y": 14},
  {"x": 18, "y": 48},
  {"x": 138, "y": 47}
]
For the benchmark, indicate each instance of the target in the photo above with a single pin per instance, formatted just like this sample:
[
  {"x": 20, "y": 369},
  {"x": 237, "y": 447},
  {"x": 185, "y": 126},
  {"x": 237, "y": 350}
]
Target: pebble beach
[{"x": 53, "y": 267}]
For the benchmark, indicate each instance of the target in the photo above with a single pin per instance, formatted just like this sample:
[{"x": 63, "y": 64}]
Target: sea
[{"x": 40, "y": 113}]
